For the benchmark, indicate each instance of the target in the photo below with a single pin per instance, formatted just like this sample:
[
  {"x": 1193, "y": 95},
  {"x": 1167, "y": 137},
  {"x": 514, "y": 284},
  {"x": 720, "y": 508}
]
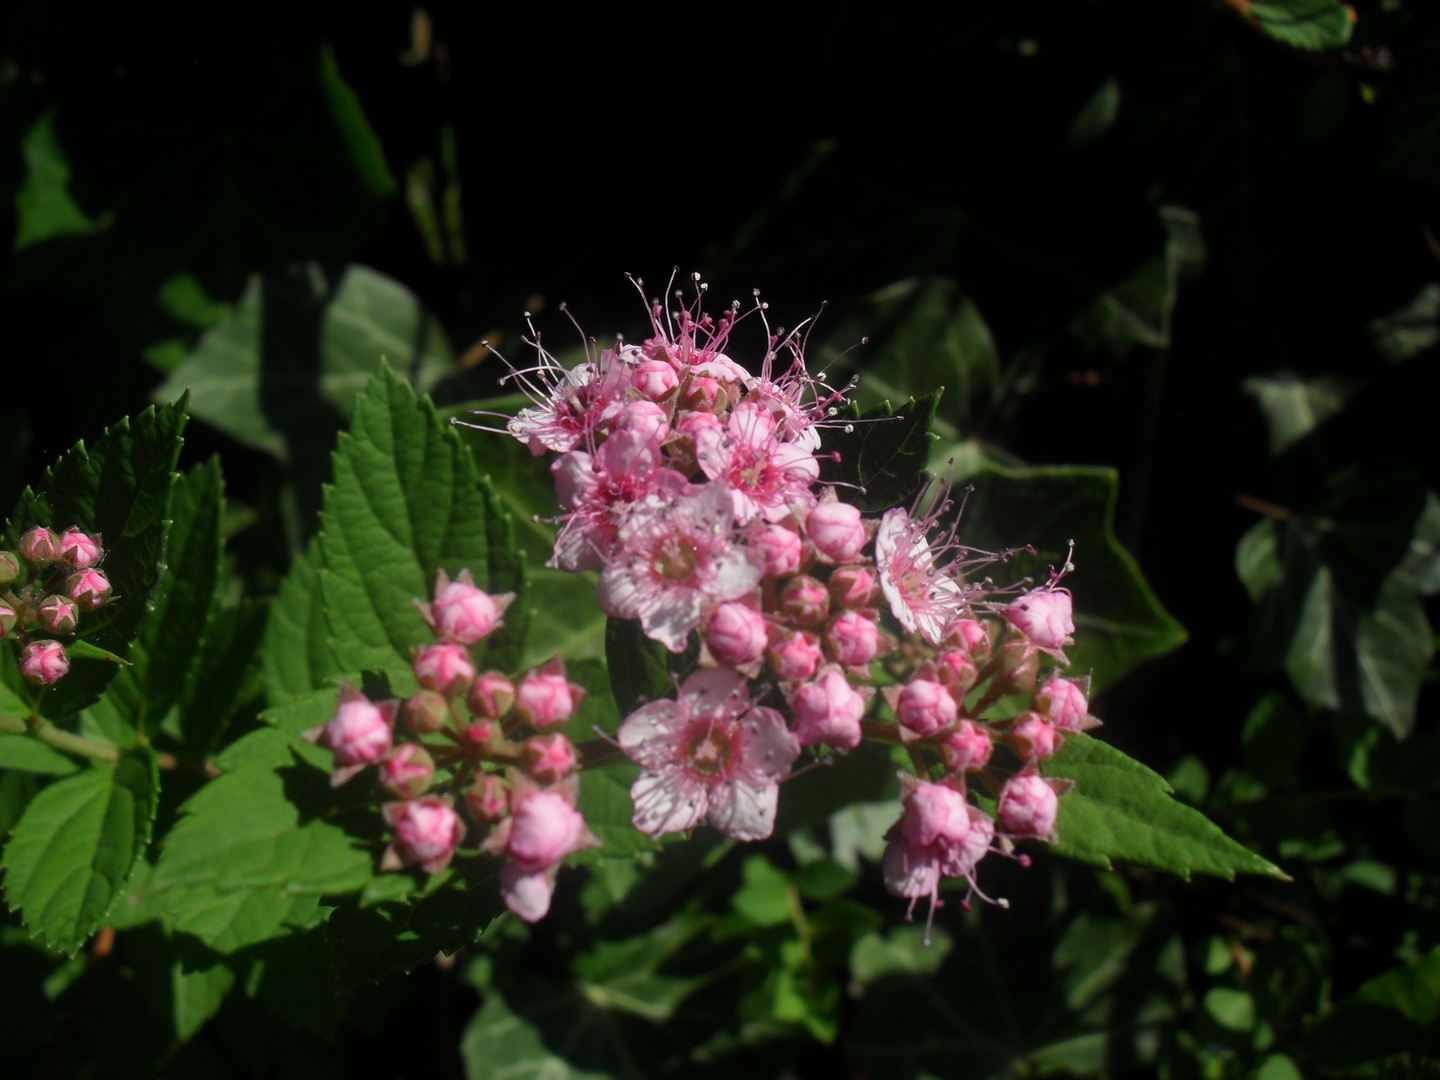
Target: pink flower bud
[
  {"x": 853, "y": 639},
  {"x": 481, "y": 734},
  {"x": 655, "y": 380},
  {"x": 1032, "y": 738},
  {"x": 406, "y": 772},
  {"x": 1028, "y": 806},
  {"x": 934, "y": 812},
  {"x": 837, "y": 531},
  {"x": 700, "y": 393},
  {"x": 493, "y": 695},
  {"x": 426, "y": 712},
  {"x": 546, "y": 828},
  {"x": 1063, "y": 703},
  {"x": 956, "y": 671},
  {"x": 488, "y": 799},
  {"x": 9, "y": 567},
  {"x": 7, "y": 619},
  {"x": 805, "y": 600},
  {"x": 44, "y": 663},
  {"x": 462, "y": 613},
  {"x": 796, "y": 657},
  {"x": 828, "y": 711},
  {"x": 1043, "y": 616},
  {"x": 89, "y": 588},
  {"x": 427, "y": 832},
  {"x": 1019, "y": 667},
  {"x": 359, "y": 733},
  {"x": 969, "y": 636},
  {"x": 77, "y": 550},
  {"x": 544, "y": 698},
  {"x": 924, "y": 706},
  {"x": 781, "y": 548},
  {"x": 550, "y": 758},
  {"x": 736, "y": 634},
  {"x": 38, "y": 547},
  {"x": 646, "y": 419},
  {"x": 852, "y": 587},
  {"x": 910, "y": 871},
  {"x": 527, "y": 895},
  {"x": 445, "y": 668},
  {"x": 58, "y": 614},
  {"x": 967, "y": 748}
]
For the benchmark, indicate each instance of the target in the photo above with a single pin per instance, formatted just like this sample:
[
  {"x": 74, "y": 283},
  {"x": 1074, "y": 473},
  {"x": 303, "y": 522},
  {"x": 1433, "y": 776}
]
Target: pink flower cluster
[
  {"x": 45, "y": 588},
  {"x": 484, "y": 736}
]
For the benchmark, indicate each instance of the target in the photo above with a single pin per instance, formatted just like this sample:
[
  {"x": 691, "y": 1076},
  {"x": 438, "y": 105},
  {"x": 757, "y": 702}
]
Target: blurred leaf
[
  {"x": 407, "y": 501},
  {"x": 884, "y": 454},
  {"x": 1412, "y": 329},
  {"x": 364, "y": 153},
  {"x": 295, "y": 337},
  {"x": 184, "y": 299},
  {"x": 640, "y": 669},
  {"x": 44, "y": 207},
  {"x": 1098, "y": 114},
  {"x": 565, "y": 619},
  {"x": 1118, "y": 620},
  {"x": 1119, "y": 809},
  {"x": 1294, "y": 406},
  {"x": 1303, "y": 24},
  {"x": 764, "y": 898},
  {"x": 1412, "y": 991},
  {"x": 903, "y": 951},
  {"x": 31, "y": 755},
  {"x": 74, "y": 847},
  {"x": 118, "y": 488}
]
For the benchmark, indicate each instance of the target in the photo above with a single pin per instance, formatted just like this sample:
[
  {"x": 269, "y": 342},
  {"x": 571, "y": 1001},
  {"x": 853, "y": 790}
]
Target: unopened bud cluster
[
  {"x": 47, "y": 585},
  {"x": 481, "y": 746}
]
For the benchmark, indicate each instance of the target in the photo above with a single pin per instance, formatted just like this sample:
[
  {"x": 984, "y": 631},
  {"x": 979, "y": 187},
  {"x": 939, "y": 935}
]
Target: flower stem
[{"x": 70, "y": 743}]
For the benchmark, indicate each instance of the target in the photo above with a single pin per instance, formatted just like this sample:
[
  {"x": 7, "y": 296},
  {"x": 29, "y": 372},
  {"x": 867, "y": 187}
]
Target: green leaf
[
  {"x": 1295, "y": 406},
  {"x": 407, "y": 501},
  {"x": 884, "y": 454},
  {"x": 44, "y": 207},
  {"x": 1118, "y": 620},
  {"x": 225, "y": 673},
  {"x": 299, "y": 338},
  {"x": 364, "y": 153},
  {"x": 1312, "y": 25},
  {"x": 1412, "y": 991},
  {"x": 1411, "y": 330},
  {"x": 31, "y": 755},
  {"x": 80, "y": 649},
  {"x": 640, "y": 669},
  {"x": 1119, "y": 809},
  {"x": 75, "y": 845},
  {"x": 565, "y": 618},
  {"x": 120, "y": 488},
  {"x": 296, "y": 655}
]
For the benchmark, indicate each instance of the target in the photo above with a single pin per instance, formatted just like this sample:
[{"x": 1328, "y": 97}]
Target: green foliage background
[{"x": 1175, "y": 268}]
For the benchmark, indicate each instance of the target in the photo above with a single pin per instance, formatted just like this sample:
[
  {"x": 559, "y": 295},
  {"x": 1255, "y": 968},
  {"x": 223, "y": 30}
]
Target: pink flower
[
  {"x": 1033, "y": 739},
  {"x": 550, "y": 758},
  {"x": 736, "y": 634},
  {"x": 924, "y": 706},
  {"x": 1063, "y": 703},
  {"x": 77, "y": 550},
  {"x": 837, "y": 531},
  {"x": 1029, "y": 804},
  {"x": 39, "y": 547},
  {"x": 969, "y": 636},
  {"x": 445, "y": 668},
  {"x": 546, "y": 698},
  {"x": 89, "y": 588},
  {"x": 492, "y": 696},
  {"x": 359, "y": 734},
  {"x": 655, "y": 380},
  {"x": 967, "y": 747},
  {"x": 805, "y": 600},
  {"x": 44, "y": 663},
  {"x": 923, "y": 597},
  {"x": 426, "y": 712},
  {"x": 795, "y": 657},
  {"x": 852, "y": 587},
  {"x": 427, "y": 832},
  {"x": 781, "y": 549},
  {"x": 1043, "y": 616},
  {"x": 543, "y": 828},
  {"x": 488, "y": 799},
  {"x": 708, "y": 753},
  {"x": 956, "y": 670},
  {"x": 407, "y": 770},
  {"x": 765, "y": 477},
  {"x": 674, "y": 558},
  {"x": 462, "y": 613},
  {"x": 829, "y": 711},
  {"x": 59, "y": 615},
  {"x": 939, "y": 835},
  {"x": 570, "y": 406},
  {"x": 853, "y": 638}
]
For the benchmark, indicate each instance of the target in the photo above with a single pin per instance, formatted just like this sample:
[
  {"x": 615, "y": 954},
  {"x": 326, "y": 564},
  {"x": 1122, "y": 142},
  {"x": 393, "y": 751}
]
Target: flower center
[
  {"x": 676, "y": 560},
  {"x": 708, "y": 756}
]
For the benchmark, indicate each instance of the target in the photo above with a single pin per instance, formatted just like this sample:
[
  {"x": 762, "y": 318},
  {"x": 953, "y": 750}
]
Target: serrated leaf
[
  {"x": 296, "y": 656},
  {"x": 240, "y": 384},
  {"x": 884, "y": 455},
  {"x": 25, "y": 754},
  {"x": 1119, "y": 809},
  {"x": 118, "y": 487},
  {"x": 640, "y": 669},
  {"x": 1312, "y": 25},
  {"x": 225, "y": 675},
  {"x": 75, "y": 845},
  {"x": 1119, "y": 621},
  {"x": 407, "y": 501}
]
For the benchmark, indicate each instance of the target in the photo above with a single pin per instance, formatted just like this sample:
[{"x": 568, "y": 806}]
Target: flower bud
[
  {"x": 805, "y": 600},
  {"x": 488, "y": 799},
  {"x": 852, "y": 587},
  {"x": 796, "y": 657},
  {"x": 407, "y": 771},
  {"x": 700, "y": 393},
  {"x": 837, "y": 531},
  {"x": 1043, "y": 616},
  {"x": 781, "y": 548},
  {"x": 546, "y": 829},
  {"x": 1019, "y": 666},
  {"x": 481, "y": 734},
  {"x": 44, "y": 663},
  {"x": 7, "y": 619},
  {"x": 544, "y": 698},
  {"x": 77, "y": 550},
  {"x": 828, "y": 710},
  {"x": 736, "y": 634},
  {"x": 38, "y": 547},
  {"x": 360, "y": 732},
  {"x": 445, "y": 668},
  {"x": 1063, "y": 703},
  {"x": 426, "y": 712},
  {"x": 853, "y": 639},
  {"x": 910, "y": 871},
  {"x": 9, "y": 567},
  {"x": 462, "y": 613},
  {"x": 967, "y": 748},
  {"x": 427, "y": 832},
  {"x": 969, "y": 636},
  {"x": 934, "y": 812},
  {"x": 550, "y": 758},
  {"x": 1032, "y": 738},
  {"x": 956, "y": 671},
  {"x": 89, "y": 588},
  {"x": 58, "y": 614},
  {"x": 924, "y": 706},
  {"x": 646, "y": 419},
  {"x": 493, "y": 695},
  {"x": 1028, "y": 806},
  {"x": 654, "y": 379}
]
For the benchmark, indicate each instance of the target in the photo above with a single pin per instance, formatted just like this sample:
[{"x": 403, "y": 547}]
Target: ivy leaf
[
  {"x": 44, "y": 207},
  {"x": 885, "y": 453},
  {"x": 407, "y": 501},
  {"x": 1119, "y": 809},
  {"x": 75, "y": 846},
  {"x": 1118, "y": 620},
  {"x": 1312, "y": 25},
  {"x": 120, "y": 488}
]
